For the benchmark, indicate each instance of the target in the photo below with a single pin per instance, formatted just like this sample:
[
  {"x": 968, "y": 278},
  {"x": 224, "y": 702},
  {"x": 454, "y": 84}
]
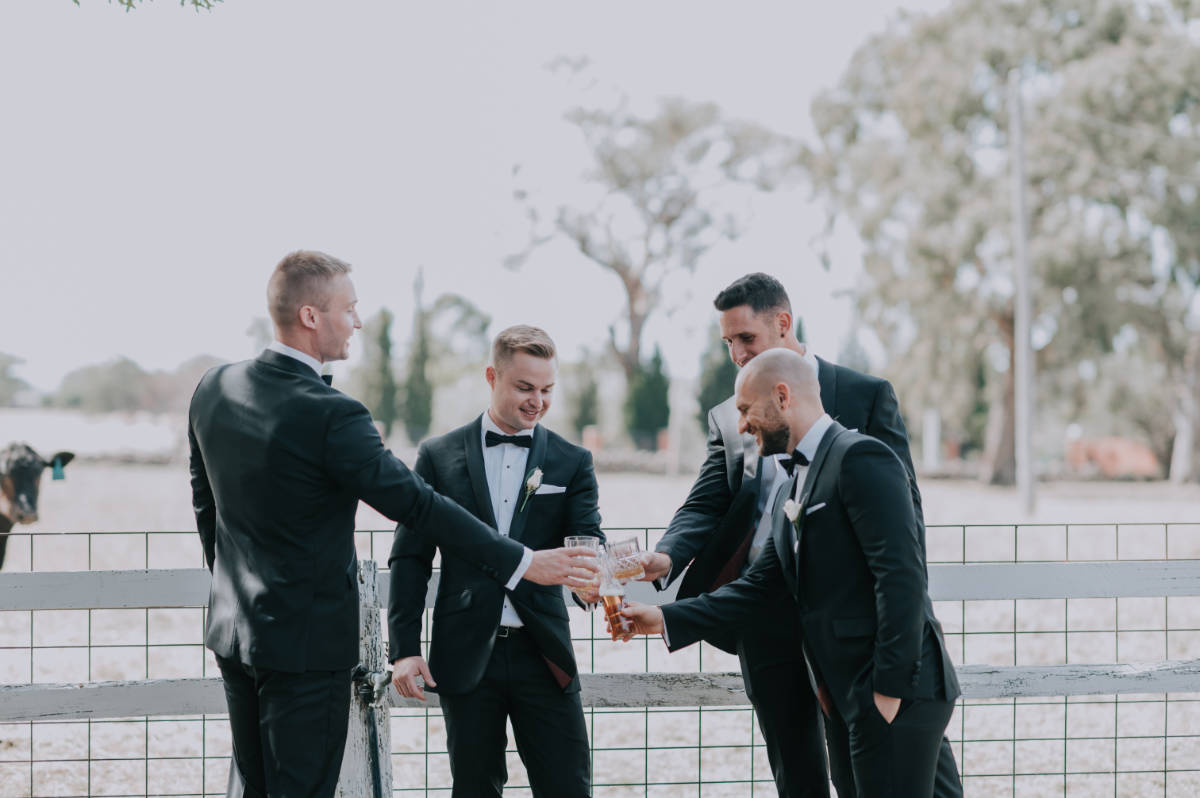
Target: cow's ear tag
[{"x": 57, "y": 469}]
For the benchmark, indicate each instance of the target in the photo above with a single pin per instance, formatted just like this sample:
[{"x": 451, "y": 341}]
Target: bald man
[{"x": 846, "y": 545}]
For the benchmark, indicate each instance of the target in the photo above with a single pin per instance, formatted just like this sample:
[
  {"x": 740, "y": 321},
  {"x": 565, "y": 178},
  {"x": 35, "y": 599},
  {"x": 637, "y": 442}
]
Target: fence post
[{"x": 356, "y": 779}]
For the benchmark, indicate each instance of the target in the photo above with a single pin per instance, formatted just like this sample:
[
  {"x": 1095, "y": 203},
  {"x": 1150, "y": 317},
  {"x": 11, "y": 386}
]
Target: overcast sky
[{"x": 155, "y": 165}]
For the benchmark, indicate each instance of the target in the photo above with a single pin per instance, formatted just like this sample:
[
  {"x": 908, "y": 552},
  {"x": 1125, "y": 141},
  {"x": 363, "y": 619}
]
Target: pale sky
[{"x": 155, "y": 165}]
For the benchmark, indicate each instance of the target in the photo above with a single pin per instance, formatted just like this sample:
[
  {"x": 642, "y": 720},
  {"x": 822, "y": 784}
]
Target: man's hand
[
  {"x": 404, "y": 675},
  {"x": 574, "y": 567},
  {"x": 656, "y": 565},
  {"x": 887, "y": 706},
  {"x": 647, "y": 620}
]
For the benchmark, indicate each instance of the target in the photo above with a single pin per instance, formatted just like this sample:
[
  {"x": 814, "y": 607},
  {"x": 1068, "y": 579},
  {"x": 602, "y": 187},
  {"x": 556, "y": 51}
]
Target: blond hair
[
  {"x": 521, "y": 338},
  {"x": 301, "y": 278}
]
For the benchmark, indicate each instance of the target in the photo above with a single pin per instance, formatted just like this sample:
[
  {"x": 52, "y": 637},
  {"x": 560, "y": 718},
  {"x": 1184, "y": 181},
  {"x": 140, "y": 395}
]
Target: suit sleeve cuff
[
  {"x": 666, "y": 638},
  {"x": 522, "y": 567}
]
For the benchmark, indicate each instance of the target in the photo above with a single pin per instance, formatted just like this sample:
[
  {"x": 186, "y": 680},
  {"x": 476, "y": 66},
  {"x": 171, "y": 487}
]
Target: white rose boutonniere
[
  {"x": 532, "y": 482},
  {"x": 791, "y": 508}
]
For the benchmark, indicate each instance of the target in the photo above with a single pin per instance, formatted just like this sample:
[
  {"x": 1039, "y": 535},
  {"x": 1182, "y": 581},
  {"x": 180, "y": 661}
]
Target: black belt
[{"x": 506, "y": 631}]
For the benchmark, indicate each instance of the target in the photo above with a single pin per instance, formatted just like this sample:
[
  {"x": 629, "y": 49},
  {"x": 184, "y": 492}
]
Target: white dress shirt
[
  {"x": 303, "y": 357},
  {"x": 808, "y": 447},
  {"x": 504, "y": 465}
]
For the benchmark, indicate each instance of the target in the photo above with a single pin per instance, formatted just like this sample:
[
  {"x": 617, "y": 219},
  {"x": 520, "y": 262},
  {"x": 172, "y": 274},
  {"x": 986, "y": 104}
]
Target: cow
[{"x": 20, "y": 475}]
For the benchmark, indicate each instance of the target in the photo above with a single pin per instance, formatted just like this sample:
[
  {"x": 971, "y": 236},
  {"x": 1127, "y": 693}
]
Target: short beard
[{"x": 775, "y": 440}]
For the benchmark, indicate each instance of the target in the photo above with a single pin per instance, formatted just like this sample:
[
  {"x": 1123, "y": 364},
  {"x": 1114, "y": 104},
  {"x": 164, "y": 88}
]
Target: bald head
[
  {"x": 778, "y": 398},
  {"x": 784, "y": 366}
]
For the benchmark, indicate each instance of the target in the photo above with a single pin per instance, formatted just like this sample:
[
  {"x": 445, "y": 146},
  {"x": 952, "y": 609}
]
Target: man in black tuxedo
[
  {"x": 501, "y": 654},
  {"x": 723, "y": 526},
  {"x": 279, "y": 462},
  {"x": 845, "y": 545}
]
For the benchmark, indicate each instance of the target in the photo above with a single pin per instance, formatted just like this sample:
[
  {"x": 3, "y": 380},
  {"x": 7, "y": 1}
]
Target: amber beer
[
  {"x": 614, "y": 602},
  {"x": 626, "y": 560},
  {"x": 626, "y": 569}
]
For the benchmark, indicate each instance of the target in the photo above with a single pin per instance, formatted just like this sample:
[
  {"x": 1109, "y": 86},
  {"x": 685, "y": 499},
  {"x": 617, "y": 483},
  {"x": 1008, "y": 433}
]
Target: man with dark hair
[
  {"x": 279, "y": 462},
  {"x": 724, "y": 524},
  {"x": 844, "y": 546},
  {"x": 500, "y": 655}
]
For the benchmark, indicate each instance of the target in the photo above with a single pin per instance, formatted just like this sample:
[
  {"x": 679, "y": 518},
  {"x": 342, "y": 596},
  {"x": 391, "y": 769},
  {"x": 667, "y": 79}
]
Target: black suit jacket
[
  {"x": 714, "y": 518},
  {"x": 466, "y": 613},
  {"x": 279, "y": 462},
  {"x": 853, "y": 563}
]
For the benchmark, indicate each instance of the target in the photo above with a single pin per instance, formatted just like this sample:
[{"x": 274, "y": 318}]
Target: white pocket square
[
  {"x": 543, "y": 489},
  {"x": 814, "y": 508}
]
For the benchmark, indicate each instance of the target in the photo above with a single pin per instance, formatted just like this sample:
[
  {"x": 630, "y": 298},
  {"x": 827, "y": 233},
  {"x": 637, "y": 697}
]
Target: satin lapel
[
  {"x": 537, "y": 456},
  {"x": 785, "y": 538},
  {"x": 473, "y": 446},
  {"x": 810, "y": 479}
]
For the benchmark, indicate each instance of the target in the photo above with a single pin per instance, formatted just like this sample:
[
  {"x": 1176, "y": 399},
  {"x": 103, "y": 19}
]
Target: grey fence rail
[{"x": 1030, "y": 620}]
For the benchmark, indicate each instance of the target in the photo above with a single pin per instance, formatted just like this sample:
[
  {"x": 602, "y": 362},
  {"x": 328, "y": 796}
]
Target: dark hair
[
  {"x": 301, "y": 278},
  {"x": 761, "y": 292}
]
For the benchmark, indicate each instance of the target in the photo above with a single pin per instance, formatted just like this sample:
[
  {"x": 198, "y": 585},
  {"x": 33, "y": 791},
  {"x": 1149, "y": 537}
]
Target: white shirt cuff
[
  {"x": 666, "y": 640},
  {"x": 518, "y": 574}
]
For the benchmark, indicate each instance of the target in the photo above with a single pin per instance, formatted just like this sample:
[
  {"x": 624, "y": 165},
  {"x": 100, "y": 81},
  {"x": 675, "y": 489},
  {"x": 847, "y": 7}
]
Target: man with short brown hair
[
  {"x": 724, "y": 524},
  {"x": 500, "y": 654},
  {"x": 279, "y": 462}
]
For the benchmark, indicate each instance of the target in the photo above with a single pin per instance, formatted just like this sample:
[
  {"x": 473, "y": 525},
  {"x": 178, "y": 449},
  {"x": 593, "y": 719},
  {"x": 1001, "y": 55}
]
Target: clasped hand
[{"x": 574, "y": 567}]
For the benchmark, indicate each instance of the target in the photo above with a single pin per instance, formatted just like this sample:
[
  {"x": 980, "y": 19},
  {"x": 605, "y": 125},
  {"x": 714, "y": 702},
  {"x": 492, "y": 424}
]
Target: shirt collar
[
  {"x": 296, "y": 354},
  {"x": 812, "y": 439},
  {"x": 488, "y": 424}
]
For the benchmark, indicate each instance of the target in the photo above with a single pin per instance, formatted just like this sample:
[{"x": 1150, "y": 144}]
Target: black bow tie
[
  {"x": 789, "y": 463},
  {"x": 495, "y": 439},
  {"x": 327, "y": 379}
]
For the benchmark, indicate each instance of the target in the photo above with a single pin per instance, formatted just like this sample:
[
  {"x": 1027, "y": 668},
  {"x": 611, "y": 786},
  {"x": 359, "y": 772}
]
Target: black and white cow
[{"x": 20, "y": 476}]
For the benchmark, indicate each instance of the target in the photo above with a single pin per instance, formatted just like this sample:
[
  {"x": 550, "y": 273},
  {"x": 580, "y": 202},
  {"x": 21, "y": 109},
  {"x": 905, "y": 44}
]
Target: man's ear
[
  {"x": 489, "y": 374},
  {"x": 308, "y": 317},
  {"x": 783, "y": 395},
  {"x": 783, "y": 321}
]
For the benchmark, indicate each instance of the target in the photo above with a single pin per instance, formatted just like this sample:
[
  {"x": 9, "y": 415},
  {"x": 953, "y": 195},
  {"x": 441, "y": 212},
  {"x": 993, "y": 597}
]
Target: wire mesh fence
[{"x": 1080, "y": 745}]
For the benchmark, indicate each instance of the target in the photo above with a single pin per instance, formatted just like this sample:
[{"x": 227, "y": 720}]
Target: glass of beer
[
  {"x": 627, "y": 559},
  {"x": 592, "y": 543},
  {"x": 612, "y": 594}
]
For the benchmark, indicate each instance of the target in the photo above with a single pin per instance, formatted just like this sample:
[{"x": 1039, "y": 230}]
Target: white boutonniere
[
  {"x": 533, "y": 481},
  {"x": 791, "y": 508}
]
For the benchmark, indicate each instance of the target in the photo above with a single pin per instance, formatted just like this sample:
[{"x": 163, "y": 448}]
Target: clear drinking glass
[
  {"x": 593, "y": 544},
  {"x": 612, "y": 595},
  {"x": 627, "y": 559}
]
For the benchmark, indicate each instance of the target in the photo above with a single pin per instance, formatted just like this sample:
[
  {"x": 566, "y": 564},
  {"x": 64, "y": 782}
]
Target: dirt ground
[{"x": 1112, "y": 747}]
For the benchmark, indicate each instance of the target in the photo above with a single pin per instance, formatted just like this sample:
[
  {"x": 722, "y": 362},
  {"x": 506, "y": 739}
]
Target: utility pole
[{"x": 1022, "y": 304}]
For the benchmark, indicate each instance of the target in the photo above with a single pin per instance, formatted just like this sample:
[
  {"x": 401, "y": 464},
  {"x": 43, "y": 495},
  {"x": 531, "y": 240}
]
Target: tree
[
  {"x": 458, "y": 337},
  {"x": 11, "y": 385},
  {"x": 647, "y": 406},
  {"x": 260, "y": 332},
  {"x": 198, "y": 5},
  {"x": 664, "y": 190},
  {"x": 378, "y": 380},
  {"x": 418, "y": 390},
  {"x": 118, "y": 385},
  {"x": 717, "y": 375},
  {"x": 913, "y": 151},
  {"x": 586, "y": 402}
]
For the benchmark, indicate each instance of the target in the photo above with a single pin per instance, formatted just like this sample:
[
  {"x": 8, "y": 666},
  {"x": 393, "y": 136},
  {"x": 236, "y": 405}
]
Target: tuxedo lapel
[
  {"x": 537, "y": 456},
  {"x": 785, "y": 538},
  {"x": 473, "y": 451},
  {"x": 810, "y": 479}
]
